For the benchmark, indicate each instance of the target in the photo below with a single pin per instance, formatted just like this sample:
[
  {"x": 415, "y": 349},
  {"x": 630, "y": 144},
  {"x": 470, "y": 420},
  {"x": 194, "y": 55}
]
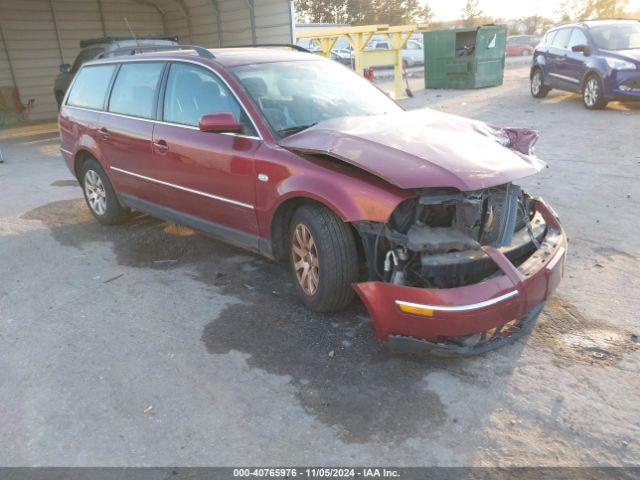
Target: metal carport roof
[{"x": 36, "y": 36}]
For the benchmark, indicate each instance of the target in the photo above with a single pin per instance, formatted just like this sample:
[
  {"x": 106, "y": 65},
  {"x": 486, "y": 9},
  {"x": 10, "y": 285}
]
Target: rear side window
[
  {"x": 562, "y": 38},
  {"x": 134, "y": 91},
  {"x": 90, "y": 87},
  {"x": 548, "y": 40}
]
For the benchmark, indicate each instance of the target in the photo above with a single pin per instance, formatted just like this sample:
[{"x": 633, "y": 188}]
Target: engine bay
[{"x": 436, "y": 239}]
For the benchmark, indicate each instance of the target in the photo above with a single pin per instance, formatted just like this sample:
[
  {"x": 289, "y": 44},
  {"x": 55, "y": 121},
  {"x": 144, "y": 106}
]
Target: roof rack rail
[
  {"x": 292, "y": 46},
  {"x": 135, "y": 49}
]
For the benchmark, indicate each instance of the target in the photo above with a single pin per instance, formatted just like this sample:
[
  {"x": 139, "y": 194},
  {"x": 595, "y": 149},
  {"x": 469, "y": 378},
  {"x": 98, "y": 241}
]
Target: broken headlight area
[{"x": 437, "y": 239}]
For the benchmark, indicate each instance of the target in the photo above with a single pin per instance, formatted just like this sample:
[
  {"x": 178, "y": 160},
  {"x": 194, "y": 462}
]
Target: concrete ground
[{"x": 146, "y": 344}]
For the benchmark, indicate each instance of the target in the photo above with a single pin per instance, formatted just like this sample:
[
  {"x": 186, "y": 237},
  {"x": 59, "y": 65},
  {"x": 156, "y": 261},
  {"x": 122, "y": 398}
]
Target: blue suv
[{"x": 599, "y": 59}]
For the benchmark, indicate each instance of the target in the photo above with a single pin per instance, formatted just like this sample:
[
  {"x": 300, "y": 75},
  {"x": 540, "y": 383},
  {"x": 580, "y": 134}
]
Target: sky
[{"x": 450, "y": 9}]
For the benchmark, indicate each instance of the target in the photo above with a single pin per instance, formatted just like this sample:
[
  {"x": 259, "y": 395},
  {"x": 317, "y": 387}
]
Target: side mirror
[
  {"x": 219, "y": 122},
  {"x": 585, "y": 49},
  {"x": 65, "y": 68}
]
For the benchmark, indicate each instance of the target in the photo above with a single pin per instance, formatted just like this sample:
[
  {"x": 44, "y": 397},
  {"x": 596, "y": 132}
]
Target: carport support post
[
  {"x": 162, "y": 14},
  {"x": 216, "y": 6},
  {"x": 398, "y": 40},
  {"x": 102, "y": 22},
  {"x": 327, "y": 44},
  {"x": 358, "y": 41},
  {"x": 252, "y": 20},
  {"x": 187, "y": 16},
  {"x": 3, "y": 39},
  {"x": 55, "y": 25}
]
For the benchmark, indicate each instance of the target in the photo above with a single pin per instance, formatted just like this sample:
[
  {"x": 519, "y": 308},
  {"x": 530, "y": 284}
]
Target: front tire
[
  {"x": 538, "y": 88},
  {"x": 324, "y": 259},
  {"x": 592, "y": 93},
  {"x": 100, "y": 196}
]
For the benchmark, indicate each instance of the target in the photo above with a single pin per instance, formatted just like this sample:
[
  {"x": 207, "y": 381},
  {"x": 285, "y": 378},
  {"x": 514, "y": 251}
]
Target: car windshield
[
  {"x": 296, "y": 95},
  {"x": 617, "y": 37}
]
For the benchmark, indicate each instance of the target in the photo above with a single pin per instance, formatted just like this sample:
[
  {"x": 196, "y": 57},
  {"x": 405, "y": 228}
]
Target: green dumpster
[{"x": 465, "y": 57}]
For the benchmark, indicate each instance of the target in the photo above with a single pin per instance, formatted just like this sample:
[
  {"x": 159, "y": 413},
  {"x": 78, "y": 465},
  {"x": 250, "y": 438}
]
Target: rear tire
[
  {"x": 593, "y": 94},
  {"x": 324, "y": 259},
  {"x": 538, "y": 88},
  {"x": 100, "y": 196}
]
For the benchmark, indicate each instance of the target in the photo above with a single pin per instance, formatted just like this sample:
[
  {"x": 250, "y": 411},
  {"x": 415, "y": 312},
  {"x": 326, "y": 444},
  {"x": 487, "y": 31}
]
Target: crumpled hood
[{"x": 423, "y": 148}]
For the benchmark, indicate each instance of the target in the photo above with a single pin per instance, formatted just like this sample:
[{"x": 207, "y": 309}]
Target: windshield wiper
[{"x": 294, "y": 129}]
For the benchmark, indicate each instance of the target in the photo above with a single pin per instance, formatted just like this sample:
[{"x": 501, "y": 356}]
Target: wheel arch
[
  {"x": 81, "y": 156},
  {"x": 281, "y": 219},
  {"x": 87, "y": 148},
  {"x": 351, "y": 199},
  {"x": 533, "y": 70},
  {"x": 589, "y": 73}
]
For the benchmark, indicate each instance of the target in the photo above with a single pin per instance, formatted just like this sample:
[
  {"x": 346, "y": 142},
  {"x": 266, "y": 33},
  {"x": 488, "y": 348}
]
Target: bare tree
[
  {"x": 471, "y": 12},
  {"x": 592, "y": 9},
  {"x": 362, "y": 12},
  {"x": 535, "y": 24}
]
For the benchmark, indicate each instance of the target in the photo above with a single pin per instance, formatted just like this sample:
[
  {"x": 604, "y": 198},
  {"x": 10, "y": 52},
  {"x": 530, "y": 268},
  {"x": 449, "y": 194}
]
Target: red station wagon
[{"x": 297, "y": 158}]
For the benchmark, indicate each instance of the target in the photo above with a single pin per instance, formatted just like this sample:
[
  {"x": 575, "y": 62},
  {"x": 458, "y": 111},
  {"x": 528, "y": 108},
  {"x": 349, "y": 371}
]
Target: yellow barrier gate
[{"x": 359, "y": 37}]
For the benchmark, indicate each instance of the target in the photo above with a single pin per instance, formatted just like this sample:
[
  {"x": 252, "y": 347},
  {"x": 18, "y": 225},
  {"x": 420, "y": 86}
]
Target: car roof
[
  {"x": 228, "y": 57},
  {"x": 595, "y": 23},
  {"x": 598, "y": 23}
]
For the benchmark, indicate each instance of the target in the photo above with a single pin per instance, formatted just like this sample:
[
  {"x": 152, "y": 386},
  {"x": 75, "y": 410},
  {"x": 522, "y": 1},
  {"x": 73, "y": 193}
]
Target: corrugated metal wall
[{"x": 42, "y": 34}]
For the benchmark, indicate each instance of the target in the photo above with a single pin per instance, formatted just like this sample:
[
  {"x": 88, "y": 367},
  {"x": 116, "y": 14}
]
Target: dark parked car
[
  {"x": 599, "y": 59},
  {"x": 417, "y": 211},
  {"x": 91, "y": 49}
]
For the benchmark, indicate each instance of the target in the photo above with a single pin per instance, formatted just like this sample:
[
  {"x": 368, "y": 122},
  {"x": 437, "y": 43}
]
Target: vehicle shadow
[{"x": 340, "y": 373}]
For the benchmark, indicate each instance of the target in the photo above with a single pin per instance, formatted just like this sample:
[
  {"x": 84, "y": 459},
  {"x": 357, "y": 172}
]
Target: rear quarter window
[
  {"x": 134, "y": 91},
  {"x": 90, "y": 87}
]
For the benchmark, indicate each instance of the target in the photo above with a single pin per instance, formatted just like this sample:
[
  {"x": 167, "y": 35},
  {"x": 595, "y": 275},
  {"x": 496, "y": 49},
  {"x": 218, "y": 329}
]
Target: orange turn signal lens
[{"x": 407, "y": 307}]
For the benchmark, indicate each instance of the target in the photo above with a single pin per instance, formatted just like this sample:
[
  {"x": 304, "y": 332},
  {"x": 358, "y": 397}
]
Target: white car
[{"x": 412, "y": 53}]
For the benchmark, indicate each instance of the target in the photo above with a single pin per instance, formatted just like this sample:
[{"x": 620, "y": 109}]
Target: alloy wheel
[
  {"x": 536, "y": 83},
  {"x": 591, "y": 92},
  {"x": 95, "y": 192},
  {"x": 305, "y": 259}
]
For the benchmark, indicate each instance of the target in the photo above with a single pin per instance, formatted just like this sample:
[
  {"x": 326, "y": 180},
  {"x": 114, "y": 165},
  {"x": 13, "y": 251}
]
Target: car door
[
  {"x": 79, "y": 118},
  {"x": 126, "y": 128},
  {"x": 208, "y": 175},
  {"x": 575, "y": 64},
  {"x": 556, "y": 57}
]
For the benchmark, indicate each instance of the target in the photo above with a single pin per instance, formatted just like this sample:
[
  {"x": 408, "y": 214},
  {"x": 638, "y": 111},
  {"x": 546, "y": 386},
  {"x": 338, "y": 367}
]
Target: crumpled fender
[{"x": 353, "y": 200}]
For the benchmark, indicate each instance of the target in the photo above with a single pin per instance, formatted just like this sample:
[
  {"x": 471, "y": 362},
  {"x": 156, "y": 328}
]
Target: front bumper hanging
[{"x": 474, "y": 318}]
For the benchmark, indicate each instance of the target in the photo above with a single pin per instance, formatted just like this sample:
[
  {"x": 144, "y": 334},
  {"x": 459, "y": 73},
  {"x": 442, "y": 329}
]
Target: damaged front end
[{"x": 459, "y": 273}]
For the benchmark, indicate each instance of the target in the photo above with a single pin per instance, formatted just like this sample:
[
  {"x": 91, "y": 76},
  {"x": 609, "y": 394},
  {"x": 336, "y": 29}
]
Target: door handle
[
  {"x": 161, "y": 146},
  {"x": 104, "y": 132}
]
